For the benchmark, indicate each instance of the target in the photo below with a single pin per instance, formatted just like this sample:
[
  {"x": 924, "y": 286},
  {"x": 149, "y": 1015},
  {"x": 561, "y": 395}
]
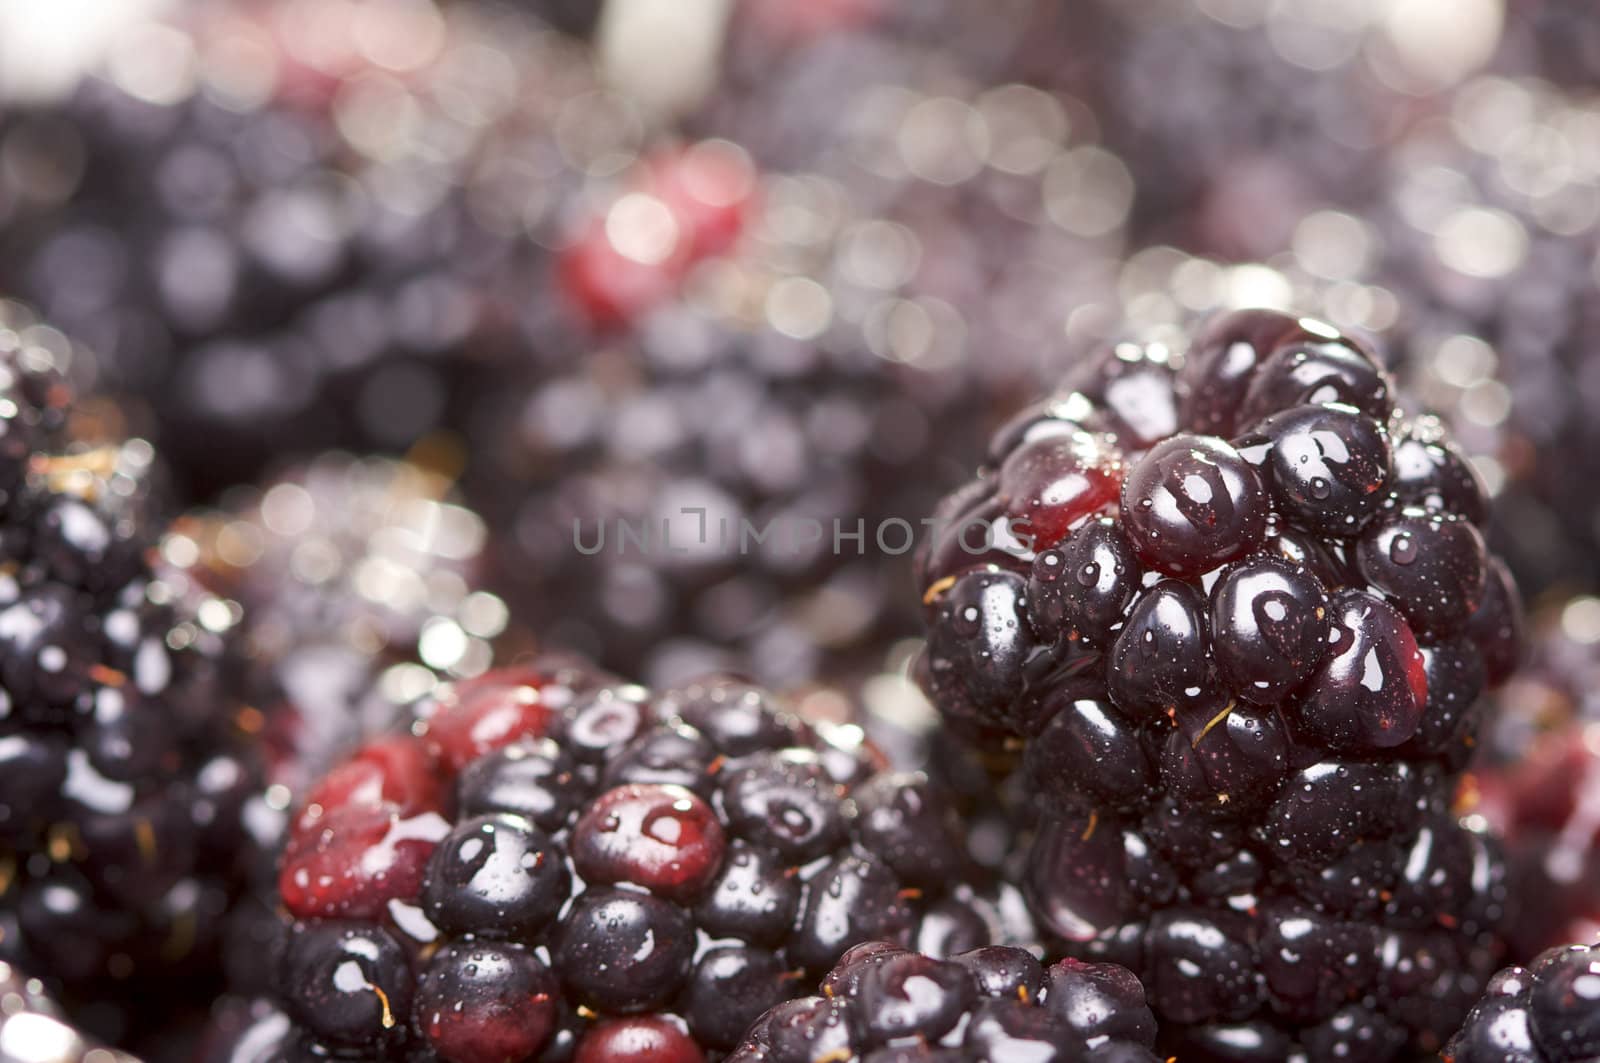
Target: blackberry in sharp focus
[
  {"x": 883, "y": 1002},
  {"x": 1246, "y": 775},
  {"x": 1541, "y": 1013},
  {"x": 494, "y": 884},
  {"x": 129, "y": 759}
]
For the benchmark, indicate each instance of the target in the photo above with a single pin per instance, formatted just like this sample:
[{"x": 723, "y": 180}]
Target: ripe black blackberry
[
  {"x": 1546, "y": 1012},
  {"x": 1241, "y": 612},
  {"x": 883, "y": 1002},
  {"x": 553, "y": 858},
  {"x": 126, "y": 759}
]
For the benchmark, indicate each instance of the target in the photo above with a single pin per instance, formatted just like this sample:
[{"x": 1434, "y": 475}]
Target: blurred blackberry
[
  {"x": 1246, "y": 138},
  {"x": 1544, "y": 806},
  {"x": 1490, "y": 239},
  {"x": 1554, "y": 689},
  {"x": 128, "y": 762},
  {"x": 1538, "y": 1014},
  {"x": 781, "y": 352},
  {"x": 271, "y": 258},
  {"x": 792, "y": 68},
  {"x": 1474, "y": 256},
  {"x": 34, "y": 1030},
  {"x": 1554, "y": 39},
  {"x": 1247, "y": 674},
  {"x": 359, "y": 578},
  {"x": 577, "y": 17},
  {"x": 1001, "y": 193},
  {"x": 882, "y": 1001},
  {"x": 551, "y": 859}
]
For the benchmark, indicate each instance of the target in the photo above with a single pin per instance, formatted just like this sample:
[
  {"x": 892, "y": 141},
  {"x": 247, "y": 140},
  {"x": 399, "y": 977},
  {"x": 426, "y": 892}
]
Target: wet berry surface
[
  {"x": 495, "y": 884},
  {"x": 996, "y": 1002},
  {"x": 1246, "y": 698}
]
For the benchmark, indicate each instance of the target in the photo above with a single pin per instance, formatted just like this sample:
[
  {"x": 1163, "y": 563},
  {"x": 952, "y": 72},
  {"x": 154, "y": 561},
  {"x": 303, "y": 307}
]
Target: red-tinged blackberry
[
  {"x": 128, "y": 758},
  {"x": 885, "y": 1003},
  {"x": 266, "y": 265},
  {"x": 552, "y": 861},
  {"x": 1546, "y": 1012},
  {"x": 1244, "y": 658},
  {"x": 680, "y": 206}
]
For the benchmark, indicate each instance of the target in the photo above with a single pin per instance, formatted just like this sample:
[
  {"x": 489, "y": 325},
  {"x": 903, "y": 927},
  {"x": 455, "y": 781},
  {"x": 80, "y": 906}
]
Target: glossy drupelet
[
  {"x": 553, "y": 861},
  {"x": 1546, "y": 1012},
  {"x": 1241, "y": 613},
  {"x": 126, "y": 760},
  {"x": 886, "y": 1004}
]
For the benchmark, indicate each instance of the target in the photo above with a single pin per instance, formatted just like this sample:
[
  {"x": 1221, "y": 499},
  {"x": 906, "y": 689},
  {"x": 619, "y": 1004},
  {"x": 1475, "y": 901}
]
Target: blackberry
[
  {"x": 1243, "y": 655},
  {"x": 680, "y": 486},
  {"x": 1510, "y": 358},
  {"x": 1246, "y": 144},
  {"x": 850, "y": 57},
  {"x": 883, "y": 1002},
  {"x": 129, "y": 761},
  {"x": 1550, "y": 40},
  {"x": 1541, "y": 805},
  {"x": 1432, "y": 255},
  {"x": 864, "y": 317},
  {"x": 264, "y": 263},
  {"x": 552, "y": 860},
  {"x": 1551, "y": 691},
  {"x": 360, "y": 583},
  {"x": 677, "y": 207},
  {"x": 1543, "y": 1012}
]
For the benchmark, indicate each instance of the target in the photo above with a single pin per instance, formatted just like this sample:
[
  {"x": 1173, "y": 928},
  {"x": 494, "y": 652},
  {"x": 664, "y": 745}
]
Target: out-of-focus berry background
[{"x": 707, "y": 265}]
